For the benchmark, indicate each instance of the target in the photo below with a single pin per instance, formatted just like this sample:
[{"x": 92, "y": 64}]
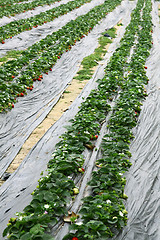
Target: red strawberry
[
  {"x": 58, "y": 57},
  {"x": 39, "y": 79},
  {"x": 18, "y": 95},
  {"x": 31, "y": 88},
  {"x": 12, "y": 105},
  {"x": 22, "y": 94},
  {"x": 13, "y": 76},
  {"x": 11, "y": 37},
  {"x": 3, "y": 42},
  {"x": 96, "y": 136},
  {"x": 145, "y": 67},
  {"x": 50, "y": 69},
  {"x": 75, "y": 238},
  {"x": 47, "y": 73},
  {"x": 27, "y": 87}
]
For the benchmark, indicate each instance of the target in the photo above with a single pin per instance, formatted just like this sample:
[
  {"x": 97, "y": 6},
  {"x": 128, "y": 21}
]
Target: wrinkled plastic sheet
[
  {"x": 15, "y": 192},
  {"x": 17, "y": 125},
  {"x": 143, "y": 178},
  {"x": 28, "y": 38},
  {"x": 29, "y": 111}
]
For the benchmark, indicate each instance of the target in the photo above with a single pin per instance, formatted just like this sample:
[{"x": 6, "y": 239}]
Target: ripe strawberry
[
  {"x": 50, "y": 69},
  {"x": 13, "y": 76},
  {"x": 27, "y": 87},
  {"x": 39, "y": 79},
  {"x": 11, "y": 37},
  {"x": 22, "y": 94},
  {"x": 12, "y": 105},
  {"x": 145, "y": 67},
  {"x": 18, "y": 95},
  {"x": 40, "y": 76},
  {"x": 96, "y": 136},
  {"x": 31, "y": 88},
  {"x": 58, "y": 57},
  {"x": 3, "y": 42},
  {"x": 47, "y": 73}
]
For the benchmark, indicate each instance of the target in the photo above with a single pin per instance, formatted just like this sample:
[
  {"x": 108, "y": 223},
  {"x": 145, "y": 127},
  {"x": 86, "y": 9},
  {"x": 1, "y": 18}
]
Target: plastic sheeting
[
  {"x": 15, "y": 192},
  {"x": 17, "y": 125},
  {"x": 29, "y": 111},
  {"x": 143, "y": 178},
  {"x": 28, "y": 38}
]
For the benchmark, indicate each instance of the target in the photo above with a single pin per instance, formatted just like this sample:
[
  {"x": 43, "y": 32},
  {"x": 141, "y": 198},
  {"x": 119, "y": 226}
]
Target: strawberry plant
[
  {"x": 16, "y": 27},
  {"x": 13, "y": 9},
  {"x": 48, "y": 51}
]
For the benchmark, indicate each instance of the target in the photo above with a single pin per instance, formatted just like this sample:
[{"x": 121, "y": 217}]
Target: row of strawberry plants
[
  {"x": 12, "y": 10},
  {"x": 57, "y": 188},
  {"x": 9, "y": 2},
  {"x": 46, "y": 52},
  {"x": 103, "y": 212},
  {"x": 16, "y": 27},
  {"x": 65, "y": 164}
]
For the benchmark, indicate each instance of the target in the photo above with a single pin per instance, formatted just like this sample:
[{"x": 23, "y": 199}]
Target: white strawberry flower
[
  {"x": 120, "y": 213},
  {"x": 46, "y": 206},
  {"x": 99, "y": 206}
]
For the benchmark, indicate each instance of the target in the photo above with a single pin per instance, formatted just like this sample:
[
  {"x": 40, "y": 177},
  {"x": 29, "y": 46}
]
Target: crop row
[
  {"x": 45, "y": 54},
  {"x": 57, "y": 188},
  {"x": 9, "y": 2},
  {"x": 11, "y": 10},
  {"x": 16, "y": 27},
  {"x": 67, "y": 163},
  {"x": 103, "y": 212}
]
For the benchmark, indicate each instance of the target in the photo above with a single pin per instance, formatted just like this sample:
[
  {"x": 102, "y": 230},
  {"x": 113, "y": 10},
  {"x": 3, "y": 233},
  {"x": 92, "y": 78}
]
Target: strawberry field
[{"x": 79, "y": 119}]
